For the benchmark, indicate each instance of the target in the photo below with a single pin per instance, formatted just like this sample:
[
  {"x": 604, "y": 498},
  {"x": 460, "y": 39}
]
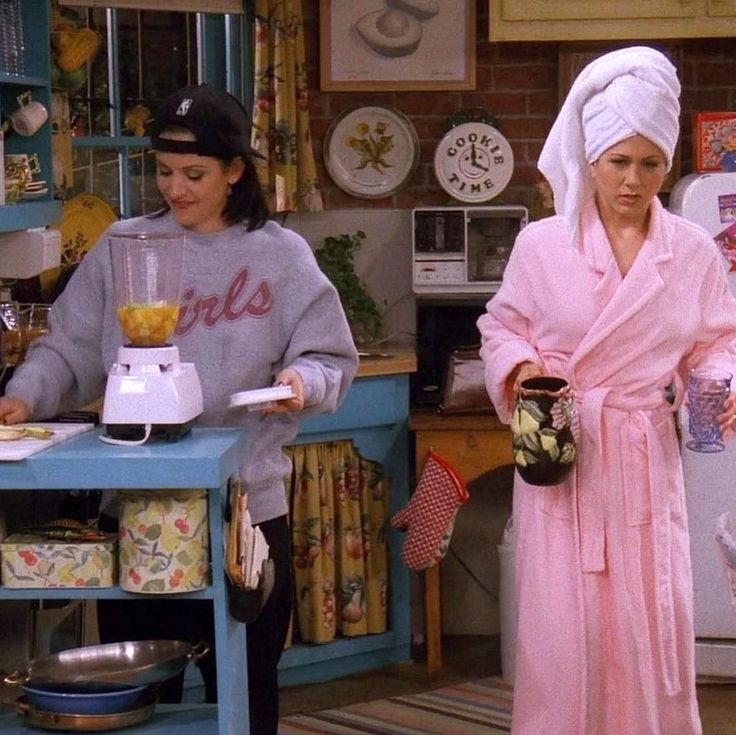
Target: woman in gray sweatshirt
[{"x": 256, "y": 311}]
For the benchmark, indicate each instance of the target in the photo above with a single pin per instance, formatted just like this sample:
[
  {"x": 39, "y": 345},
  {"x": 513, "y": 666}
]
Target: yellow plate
[{"x": 83, "y": 219}]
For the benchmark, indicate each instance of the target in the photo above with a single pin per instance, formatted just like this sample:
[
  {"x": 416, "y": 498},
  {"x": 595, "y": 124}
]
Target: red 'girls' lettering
[{"x": 239, "y": 301}]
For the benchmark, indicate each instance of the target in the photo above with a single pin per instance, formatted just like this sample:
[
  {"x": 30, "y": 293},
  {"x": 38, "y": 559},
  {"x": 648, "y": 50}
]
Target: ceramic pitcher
[{"x": 543, "y": 430}]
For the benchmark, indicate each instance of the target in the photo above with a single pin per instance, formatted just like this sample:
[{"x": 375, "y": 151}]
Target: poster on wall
[{"x": 397, "y": 45}]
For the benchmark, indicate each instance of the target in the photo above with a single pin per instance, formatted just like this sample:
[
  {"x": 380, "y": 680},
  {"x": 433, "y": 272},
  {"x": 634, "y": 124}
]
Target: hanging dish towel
[{"x": 429, "y": 516}]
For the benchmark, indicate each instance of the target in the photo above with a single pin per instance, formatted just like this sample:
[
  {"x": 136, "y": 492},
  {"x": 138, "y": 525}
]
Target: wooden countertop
[
  {"x": 387, "y": 361},
  {"x": 427, "y": 419}
]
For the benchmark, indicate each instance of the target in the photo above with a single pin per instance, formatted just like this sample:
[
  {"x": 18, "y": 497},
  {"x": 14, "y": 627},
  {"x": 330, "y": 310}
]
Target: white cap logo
[{"x": 184, "y": 106}]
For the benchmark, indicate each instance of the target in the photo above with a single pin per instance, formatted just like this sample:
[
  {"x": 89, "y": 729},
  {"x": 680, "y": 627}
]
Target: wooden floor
[{"x": 465, "y": 658}]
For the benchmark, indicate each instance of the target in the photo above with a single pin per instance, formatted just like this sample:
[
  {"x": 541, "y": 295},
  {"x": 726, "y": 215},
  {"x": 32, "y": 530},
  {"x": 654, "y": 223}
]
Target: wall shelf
[
  {"x": 37, "y": 80},
  {"x": 24, "y": 215}
]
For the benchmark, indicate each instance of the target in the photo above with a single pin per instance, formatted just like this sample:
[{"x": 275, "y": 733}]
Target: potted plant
[{"x": 335, "y": 257}]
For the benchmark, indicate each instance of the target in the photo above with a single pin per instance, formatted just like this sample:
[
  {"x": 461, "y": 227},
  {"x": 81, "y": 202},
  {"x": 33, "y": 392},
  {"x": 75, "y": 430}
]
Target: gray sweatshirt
[{"x": 253, "y": 303}]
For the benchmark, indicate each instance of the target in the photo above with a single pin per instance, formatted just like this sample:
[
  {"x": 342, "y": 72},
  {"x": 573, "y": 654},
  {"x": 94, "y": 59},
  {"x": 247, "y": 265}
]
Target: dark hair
[
  {"x": 246, "y": 201},
  {"x": 221, "y": 129}
]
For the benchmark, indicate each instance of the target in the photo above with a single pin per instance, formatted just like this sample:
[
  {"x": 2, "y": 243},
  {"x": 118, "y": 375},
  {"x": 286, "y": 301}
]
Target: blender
[{"x": 149, "y": 391}]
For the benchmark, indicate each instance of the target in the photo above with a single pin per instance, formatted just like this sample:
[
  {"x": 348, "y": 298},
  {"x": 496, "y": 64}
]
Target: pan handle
[
  {"x": 22, "y": 707},
  {"x": 16, "y": 678},
  {"x": 199, "y": 650}
]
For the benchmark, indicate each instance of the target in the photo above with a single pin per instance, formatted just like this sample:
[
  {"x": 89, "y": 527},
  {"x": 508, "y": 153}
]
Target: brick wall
[{"x": 518, "y": 83}]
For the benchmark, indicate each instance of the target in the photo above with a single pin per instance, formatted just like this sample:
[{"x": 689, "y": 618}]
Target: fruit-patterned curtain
[
  {"x": 280, "y": 114},
  {"x": 339, "y": 517}
]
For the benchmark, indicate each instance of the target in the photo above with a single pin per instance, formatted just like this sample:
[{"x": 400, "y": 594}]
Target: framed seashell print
[{"x": 397, "y": 45}]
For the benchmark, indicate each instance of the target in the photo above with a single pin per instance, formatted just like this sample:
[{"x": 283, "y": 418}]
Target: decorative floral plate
[
  {"x": 371, "y": 152},
  {"x": 83, "y": 219}
]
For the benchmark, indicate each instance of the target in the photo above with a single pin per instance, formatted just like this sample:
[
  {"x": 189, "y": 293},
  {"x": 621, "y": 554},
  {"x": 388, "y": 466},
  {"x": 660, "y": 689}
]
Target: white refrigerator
[{"x": 710, "y": 479}]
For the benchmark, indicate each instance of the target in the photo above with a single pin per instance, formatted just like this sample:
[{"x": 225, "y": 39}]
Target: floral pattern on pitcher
[{"x": 544, "y": 430}]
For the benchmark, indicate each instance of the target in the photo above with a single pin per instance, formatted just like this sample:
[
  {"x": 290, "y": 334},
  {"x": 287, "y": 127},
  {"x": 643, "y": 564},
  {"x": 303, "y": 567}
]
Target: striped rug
[{"x": 480, "y": 707}]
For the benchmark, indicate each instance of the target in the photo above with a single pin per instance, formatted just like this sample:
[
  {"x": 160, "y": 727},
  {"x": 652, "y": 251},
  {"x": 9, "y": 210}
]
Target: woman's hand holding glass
[{"x": 727, "y": 420}]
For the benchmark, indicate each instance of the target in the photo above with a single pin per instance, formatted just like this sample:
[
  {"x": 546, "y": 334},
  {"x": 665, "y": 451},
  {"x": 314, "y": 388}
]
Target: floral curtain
[
  {"x": 339, "y": 517},
  {"x": 280, "y": 112}
]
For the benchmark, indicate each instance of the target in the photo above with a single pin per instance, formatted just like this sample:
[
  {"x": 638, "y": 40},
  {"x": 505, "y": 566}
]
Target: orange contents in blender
[{"x": 148, "y": 325}]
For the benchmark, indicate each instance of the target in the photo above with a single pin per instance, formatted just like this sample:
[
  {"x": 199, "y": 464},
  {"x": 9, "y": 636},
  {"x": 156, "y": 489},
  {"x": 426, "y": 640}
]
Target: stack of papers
[{"x": 247, "y": 547}]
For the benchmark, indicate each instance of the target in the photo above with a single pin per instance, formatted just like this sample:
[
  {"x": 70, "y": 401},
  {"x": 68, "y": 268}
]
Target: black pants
[{"x": 192, "y": 620}]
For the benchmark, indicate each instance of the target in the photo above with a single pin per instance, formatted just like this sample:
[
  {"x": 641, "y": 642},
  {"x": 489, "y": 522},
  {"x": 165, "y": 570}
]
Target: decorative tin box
[
  {"x": 164, "y": 541},
  {"x": 32, "y": 561},
  {"x": 714, "y": 141}
]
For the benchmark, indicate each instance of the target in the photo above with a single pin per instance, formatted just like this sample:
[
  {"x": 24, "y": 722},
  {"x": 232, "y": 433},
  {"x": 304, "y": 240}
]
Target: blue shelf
[
  {"x": 91, "y": 593},
  {"x": 22, "y": 80},
  {"x": 36, "y": 79},
  {"x": 206, "y": 458},
  {"x": 308, "y": 664},
  {"x": 118, "y": 141},
  {"x": 166, "y": 720},
  {"x": 24, "y": 215}
]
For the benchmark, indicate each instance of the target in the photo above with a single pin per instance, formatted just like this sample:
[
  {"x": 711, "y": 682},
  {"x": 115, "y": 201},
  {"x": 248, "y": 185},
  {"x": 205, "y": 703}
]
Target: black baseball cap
[{"x": 218, "y": 121}]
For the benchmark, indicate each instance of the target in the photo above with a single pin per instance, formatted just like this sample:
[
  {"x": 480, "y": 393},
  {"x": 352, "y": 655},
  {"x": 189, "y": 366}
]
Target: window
[{"x": 145, "y": 55}]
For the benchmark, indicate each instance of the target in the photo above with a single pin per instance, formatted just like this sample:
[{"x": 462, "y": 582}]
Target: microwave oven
[{"x": 463, "y": 250}]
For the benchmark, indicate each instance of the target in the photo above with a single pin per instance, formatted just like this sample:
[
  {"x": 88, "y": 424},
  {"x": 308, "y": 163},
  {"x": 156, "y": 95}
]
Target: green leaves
[{"x": 335, "y": 258}]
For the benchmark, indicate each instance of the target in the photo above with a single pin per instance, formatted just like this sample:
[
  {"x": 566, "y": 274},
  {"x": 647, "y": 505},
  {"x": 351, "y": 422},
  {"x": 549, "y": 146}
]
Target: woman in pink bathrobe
[{"x": 621, "y": 298}]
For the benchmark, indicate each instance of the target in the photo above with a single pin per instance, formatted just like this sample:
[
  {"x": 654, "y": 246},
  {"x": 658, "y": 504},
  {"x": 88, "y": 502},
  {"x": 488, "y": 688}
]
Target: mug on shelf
[
  {"x": 20, "y": 167},
  {"x": 30, "y": 116}
]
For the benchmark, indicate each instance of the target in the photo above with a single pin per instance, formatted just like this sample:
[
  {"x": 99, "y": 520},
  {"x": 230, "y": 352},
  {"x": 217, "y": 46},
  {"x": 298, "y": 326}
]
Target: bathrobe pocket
[
  {"x": 557, "y": 500},
  {"x": 637, "y": 495},
  {"x": 642, "y": 462}
]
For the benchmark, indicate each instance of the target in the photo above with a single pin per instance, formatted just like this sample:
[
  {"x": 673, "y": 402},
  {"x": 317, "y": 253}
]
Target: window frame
[{"x": 223, "y": 60}]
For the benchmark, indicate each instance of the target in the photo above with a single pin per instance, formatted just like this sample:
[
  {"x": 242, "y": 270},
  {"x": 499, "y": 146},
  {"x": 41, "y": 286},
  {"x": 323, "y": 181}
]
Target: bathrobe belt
[{"x": 591, "y": 520}]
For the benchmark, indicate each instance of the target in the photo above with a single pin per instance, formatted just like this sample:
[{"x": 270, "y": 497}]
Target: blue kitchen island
[
  {"x": 206, "y": 458},
  {"x": 374, "y": 416}
]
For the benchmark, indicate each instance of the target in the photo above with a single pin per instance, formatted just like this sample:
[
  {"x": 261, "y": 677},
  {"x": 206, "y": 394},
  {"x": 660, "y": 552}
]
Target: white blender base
[{"x": 149, "y": 386}]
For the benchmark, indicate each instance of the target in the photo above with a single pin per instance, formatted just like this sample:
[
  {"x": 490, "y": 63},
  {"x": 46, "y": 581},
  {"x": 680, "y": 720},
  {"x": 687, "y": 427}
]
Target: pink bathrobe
[{"x": 603, "y": 577}]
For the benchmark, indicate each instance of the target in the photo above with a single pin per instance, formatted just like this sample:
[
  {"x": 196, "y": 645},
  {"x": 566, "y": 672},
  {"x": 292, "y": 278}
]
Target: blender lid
[{"x": 255, "y": 399}]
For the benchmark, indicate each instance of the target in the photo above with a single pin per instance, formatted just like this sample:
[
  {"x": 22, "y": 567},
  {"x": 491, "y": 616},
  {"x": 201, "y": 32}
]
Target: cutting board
[{"x": 17, "y": 449}]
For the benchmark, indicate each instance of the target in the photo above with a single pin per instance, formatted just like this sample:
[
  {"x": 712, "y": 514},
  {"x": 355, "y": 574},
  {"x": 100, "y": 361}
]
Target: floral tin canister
[
  {"x": 31, "y": 562},
  {"x": 164, "y": 541}
]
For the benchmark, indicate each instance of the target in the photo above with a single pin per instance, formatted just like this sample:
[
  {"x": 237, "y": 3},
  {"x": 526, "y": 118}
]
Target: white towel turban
[{"x": 624, "y": 93}]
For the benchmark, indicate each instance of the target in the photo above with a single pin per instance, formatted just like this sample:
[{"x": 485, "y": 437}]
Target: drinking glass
[
  {"x": 707, "y": 390},
  {"x": 37, "y": 322},
  {"x": 11, "y": 345}
]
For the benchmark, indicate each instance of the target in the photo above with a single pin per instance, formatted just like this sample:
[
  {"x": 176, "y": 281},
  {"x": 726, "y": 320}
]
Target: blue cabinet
[
  {"x": 36, "y": 80},
  {"x": 206, "y": 458},
  {"x": 375, "y": 415}
]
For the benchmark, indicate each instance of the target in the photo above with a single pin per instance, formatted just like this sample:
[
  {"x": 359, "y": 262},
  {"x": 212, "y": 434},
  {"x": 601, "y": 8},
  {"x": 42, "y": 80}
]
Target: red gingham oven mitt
[{"x": 429, "y": 516}]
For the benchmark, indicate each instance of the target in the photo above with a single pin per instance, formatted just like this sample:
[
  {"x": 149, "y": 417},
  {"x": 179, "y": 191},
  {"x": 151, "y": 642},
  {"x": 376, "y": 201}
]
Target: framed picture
[
  {"x": 714, "y": 141},
  {"x": 397, "y": 45}
]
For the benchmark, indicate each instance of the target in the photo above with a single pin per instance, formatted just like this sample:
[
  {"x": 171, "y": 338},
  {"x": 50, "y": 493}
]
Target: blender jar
[{"x": 146, "y": 274}]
